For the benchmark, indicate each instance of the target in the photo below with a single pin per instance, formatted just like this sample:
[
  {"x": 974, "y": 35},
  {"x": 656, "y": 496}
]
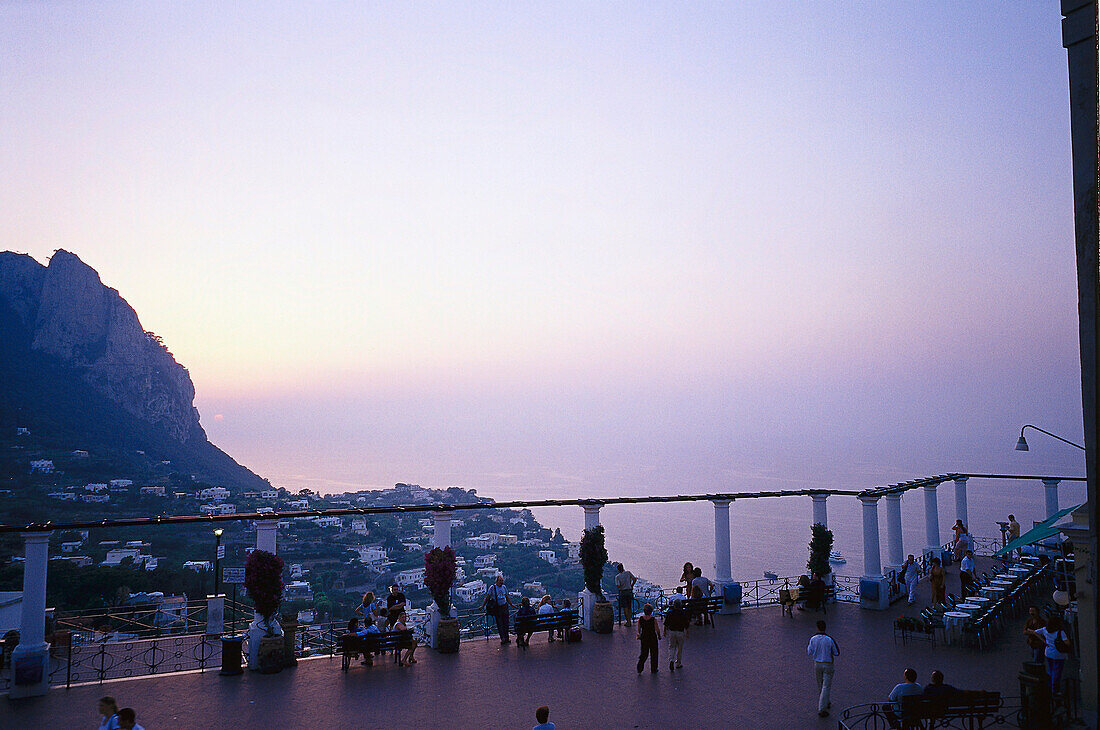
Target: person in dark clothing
[
  {"x": 496, "y": 604},
  {"x": 936, "y": 687},
  {"x": 649, "y": 634},
  {"x": 677, "y": 621},
  {"x": 395, "y": 598},
  {"x": 815, "y": 594}
]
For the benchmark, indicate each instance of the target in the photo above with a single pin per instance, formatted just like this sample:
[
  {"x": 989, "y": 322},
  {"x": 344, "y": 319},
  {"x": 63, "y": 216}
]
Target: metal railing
[{"x": 145, "y": 621}]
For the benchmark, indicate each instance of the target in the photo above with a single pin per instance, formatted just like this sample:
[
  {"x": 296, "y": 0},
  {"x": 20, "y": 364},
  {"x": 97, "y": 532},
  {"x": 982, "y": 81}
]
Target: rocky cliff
[{"x": 62, "y": 318}]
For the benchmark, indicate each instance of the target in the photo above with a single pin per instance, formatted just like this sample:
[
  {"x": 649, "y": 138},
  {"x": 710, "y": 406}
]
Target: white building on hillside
[
  {"x": 549, "y": 556},
  {"x": 410, "y": 578},
  {"x": 42, "y": 466},
  {"x": 117, "y": 555},
  {"x": 152, "y": 491},
  {"x": 96, "y": 498},
  {"x": 269, "y": 494},
  {"x": 483, "y": 560},
  {"x": 199, "y": 565},
  {"x": 470, "y": 592},
  {"x": 507, "y": 540},
  {"x": 121, "y": 483},
  {"x": 214, "y": 493}
]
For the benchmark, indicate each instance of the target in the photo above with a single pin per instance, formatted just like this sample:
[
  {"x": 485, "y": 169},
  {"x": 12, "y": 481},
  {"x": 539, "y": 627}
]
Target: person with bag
[
  {"x": 677, "y": 621},
  {"x": 1057, "y": 651},
  {"x": 496, "y": 604}
]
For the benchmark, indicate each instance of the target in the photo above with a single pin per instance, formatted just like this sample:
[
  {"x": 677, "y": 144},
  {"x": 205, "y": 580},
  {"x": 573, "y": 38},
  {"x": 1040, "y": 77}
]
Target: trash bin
[{"x": 231, "y": 655}]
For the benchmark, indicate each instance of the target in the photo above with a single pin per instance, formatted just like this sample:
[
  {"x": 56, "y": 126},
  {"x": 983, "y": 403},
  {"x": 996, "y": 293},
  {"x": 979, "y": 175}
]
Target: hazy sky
[{"x": 595, "y": 248}]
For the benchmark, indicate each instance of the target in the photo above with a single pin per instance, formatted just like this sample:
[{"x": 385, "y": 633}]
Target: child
[
  {"x": 108, "y": 710},
  {"x": 127, "y": 719},
  {"x": 542, "y": 717}
]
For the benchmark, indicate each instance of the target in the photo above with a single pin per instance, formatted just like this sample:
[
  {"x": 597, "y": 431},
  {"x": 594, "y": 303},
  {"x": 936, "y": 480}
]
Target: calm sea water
[{"x": 655, "y": 540}]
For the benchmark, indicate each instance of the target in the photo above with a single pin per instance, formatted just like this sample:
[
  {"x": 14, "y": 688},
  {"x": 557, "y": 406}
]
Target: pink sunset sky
[{"x": 581, "y": 248}]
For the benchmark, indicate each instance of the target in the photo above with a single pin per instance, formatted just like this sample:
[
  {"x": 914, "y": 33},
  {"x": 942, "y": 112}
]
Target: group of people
[
  {"x": 545, "y": 607},
  {"x": 811, "y": 592},
  {"x": 910, "y": 687},
  {"x": 375, "y": 616},
  {"x": 497, "y": 602},
  {"x": 112, "y": 718},
  {"x": 676, "y": 624}
]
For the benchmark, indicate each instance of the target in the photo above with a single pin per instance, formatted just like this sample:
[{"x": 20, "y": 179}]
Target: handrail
[{"x": 513, "y": 504}]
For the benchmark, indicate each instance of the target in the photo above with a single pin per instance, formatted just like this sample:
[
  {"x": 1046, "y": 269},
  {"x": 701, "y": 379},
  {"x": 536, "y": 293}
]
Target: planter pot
[
  {"x": 271, "y": 654},
  {"x": 603, "y": 617},
  {"x": 446, "y": 637}
]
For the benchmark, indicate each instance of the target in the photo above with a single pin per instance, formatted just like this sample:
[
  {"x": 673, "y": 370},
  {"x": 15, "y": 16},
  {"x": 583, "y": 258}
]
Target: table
[
  {"x": 1006, "y": 584},
  {"x": 990, "y": 592},
  {"x": 980, "y": 600},
  {"x": 1007, "y": 576},
  {"x": 969, "y": 608},
  {"x": 1020, "y": 571},
  {"x": 952, "y": 624}
]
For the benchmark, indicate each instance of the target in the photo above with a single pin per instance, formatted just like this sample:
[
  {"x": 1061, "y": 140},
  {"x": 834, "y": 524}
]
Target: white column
[
  {"x": 441, "y": 529},
  {"x": 265, "y": 534},
  {"x": 960, "y": 501},
  {"x": 591, "y": 515},
  {"x": 932, "y": 520},
  {"x": 722, "y": 567},
  {"x": 821, "y": 514},
  {"x": 31, "y": 656},
  {"x": 872, "y": 561},
  {"x": 1052, "y": 496},
  {"x": 895, "y": 552}
]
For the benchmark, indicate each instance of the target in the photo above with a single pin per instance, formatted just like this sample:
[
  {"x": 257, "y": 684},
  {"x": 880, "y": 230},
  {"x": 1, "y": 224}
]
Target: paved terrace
[{"x": 752, "y": 671}]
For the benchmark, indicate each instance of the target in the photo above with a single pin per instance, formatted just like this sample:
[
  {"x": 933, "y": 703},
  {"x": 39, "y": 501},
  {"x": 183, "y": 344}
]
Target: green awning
[{"x": 1041, "y": 531}]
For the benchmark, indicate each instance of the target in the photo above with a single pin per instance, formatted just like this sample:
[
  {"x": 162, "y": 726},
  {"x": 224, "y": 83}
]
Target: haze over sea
[{"x": 580, "y": 250}]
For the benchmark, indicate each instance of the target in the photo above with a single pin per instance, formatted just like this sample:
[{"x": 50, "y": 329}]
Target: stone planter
[
  {"x": 446, "y": 636},
  {"x": 259, "y": 630},
  {"x": 603, "y": 617}
]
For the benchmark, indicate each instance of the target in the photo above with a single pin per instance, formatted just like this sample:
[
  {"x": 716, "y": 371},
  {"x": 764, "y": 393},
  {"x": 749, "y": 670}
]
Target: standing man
[
  {"x": 624, "y": 582},
  {"x": 702, "y": 587},
  {"x": 396, "y": 599},
  {"x": 823, "y": 649},
  {"x": 909, "y": 573},
  {"x": 677, "y": 622},
  {"x": 1013, "y": 529},
  {"x": 966, "y": 574},
  {"x": 496, "y": 604}
]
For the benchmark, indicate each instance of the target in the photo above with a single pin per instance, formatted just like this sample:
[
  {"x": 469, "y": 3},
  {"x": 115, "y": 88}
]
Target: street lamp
[
  {"x": 218, "y": 551},
  {"x": 1021, "y": 445}
]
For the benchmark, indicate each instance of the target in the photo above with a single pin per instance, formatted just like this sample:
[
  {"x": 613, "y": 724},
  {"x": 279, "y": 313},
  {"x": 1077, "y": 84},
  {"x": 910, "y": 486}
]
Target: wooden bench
[
  {"x": 351, "y": 646},
  {"x": 708, "y": 605},
  {"x": 973, "y": 707},
  {"x": 559, "y": 620}
]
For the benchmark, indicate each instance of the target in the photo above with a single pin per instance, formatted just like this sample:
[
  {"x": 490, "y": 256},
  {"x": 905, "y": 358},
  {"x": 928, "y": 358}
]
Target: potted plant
[
  {"x": 263, "y": 579},
  {"x": 593, "y": 556},
  {"x": 821, "y": 547},
  {"x": 439, "y": 576}
]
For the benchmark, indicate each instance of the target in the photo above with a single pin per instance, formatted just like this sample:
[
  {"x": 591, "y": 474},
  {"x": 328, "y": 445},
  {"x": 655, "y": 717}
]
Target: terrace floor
[{"x": 751, "y": 671}]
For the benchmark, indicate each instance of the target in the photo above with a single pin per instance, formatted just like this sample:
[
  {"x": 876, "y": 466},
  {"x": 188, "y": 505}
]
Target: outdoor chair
[{"x": 787, "y": 599}]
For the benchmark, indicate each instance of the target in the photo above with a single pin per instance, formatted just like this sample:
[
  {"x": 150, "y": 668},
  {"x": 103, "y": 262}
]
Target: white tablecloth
[{"x": 953, "y": 622}]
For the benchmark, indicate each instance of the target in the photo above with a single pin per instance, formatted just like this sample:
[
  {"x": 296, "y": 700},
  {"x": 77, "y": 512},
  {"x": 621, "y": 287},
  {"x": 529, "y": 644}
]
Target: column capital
[
  {"x": 818, "y": 497},
  {"x": 869, "y": 501},
  {"x": 37, "y": 536},
  {"x": 721, "y": 502},
  {"x": 893, "y": 497},
  {"x": 931, "y": 487},
  {"x": 1051, "y": 482},
  {"x": 443, "y": 514},
  {"x": 961, "y": 479}
]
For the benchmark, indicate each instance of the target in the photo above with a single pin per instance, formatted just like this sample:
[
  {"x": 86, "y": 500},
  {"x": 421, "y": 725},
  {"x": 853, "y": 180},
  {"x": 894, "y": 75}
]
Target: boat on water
[
  {"x": 770, "y": 575},
  {"x": 837, "y": 557}
]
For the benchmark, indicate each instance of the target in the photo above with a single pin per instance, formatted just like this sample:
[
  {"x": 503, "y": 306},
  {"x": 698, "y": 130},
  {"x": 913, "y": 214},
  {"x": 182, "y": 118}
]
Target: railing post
[
  {"x": 723, "y": 571},
  {"x": 960, "y": 501},
  {"x": 933, "y": 547},
  {"x": 441, "y": 529},
  {"x": 873, "y": 591},
  {"x": 1051, "y": 486},
  {"x": 895, "y": 551},
  {"x": 30, "y": 659},
  {"x": 266, "y": 531},
  {"x": 821, "y": 514}
]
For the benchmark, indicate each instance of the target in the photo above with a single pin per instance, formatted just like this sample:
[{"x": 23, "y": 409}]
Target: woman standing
[
  {"x": 959, "y": 529},
  {"x": 937, "y": 576},
  {"x": 1057, "y": 650},
  {"x": 649, "y": 634},
  {"x": 686, "y": 577}
]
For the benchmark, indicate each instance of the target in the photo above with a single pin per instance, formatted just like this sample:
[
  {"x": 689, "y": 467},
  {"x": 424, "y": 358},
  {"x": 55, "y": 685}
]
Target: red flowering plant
[
  {"x": 263, "y": 579},
  {"x": 439, "y": 576}
]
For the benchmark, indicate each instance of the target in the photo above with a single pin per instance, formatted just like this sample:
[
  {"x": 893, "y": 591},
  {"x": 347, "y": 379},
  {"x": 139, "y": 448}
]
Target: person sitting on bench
[
  {"x": 546, "y": 606},
  {"x": 397, "y": 623},
  {"x": 525, "y": 609}
]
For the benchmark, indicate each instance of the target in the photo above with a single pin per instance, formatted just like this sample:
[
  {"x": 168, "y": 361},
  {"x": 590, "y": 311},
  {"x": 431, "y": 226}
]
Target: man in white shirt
[
  {"x": 909, "y": 573},
  {"x": 966, "y": 574},
  {"x": 907, "y": 688},
  {"x": 823, "y": 649}
]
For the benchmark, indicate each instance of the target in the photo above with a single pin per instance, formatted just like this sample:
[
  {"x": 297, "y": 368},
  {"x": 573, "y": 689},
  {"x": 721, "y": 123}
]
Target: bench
[
  {"x": 351, "y": 646},
  {"x": 557, "y": 621},
  {"x": 707, "y": 605},
  {"x": 973, "y": 707},
  {"x": 830, "y": 597}
]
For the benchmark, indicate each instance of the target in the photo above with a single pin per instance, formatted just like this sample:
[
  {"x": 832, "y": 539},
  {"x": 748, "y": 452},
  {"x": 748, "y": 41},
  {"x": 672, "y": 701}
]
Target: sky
[{"x": 571, "y": 249}]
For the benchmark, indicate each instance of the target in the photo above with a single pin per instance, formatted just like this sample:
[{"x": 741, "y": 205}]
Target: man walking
[
  {"x": 624, "y": 582},
  {"x": 909, "y": 575},
  {"x": 823, "y": 649},
  {"x": 496, "y": 604}
]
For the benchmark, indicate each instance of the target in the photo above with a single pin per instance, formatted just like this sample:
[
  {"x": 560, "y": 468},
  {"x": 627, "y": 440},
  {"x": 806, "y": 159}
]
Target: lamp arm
[{"x": 1048, "y": 433}]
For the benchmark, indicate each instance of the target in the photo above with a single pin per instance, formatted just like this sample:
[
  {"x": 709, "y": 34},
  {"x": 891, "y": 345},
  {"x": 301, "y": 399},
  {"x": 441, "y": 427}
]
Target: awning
[{"x": 1041, "y": 531}]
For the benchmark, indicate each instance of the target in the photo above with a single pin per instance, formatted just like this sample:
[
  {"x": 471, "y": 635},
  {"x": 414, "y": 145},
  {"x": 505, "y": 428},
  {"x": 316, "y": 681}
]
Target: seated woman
[
  {"x": 546, "y": 607},
  {"x": 525, "y": 609},
  {"x": 397, "y": 623}
]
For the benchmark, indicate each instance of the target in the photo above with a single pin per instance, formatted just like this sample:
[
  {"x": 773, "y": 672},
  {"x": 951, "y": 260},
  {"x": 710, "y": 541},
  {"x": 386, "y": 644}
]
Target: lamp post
[
  {"x": 1021, "y": 445},
  {"x": 217, "y": 560}
]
